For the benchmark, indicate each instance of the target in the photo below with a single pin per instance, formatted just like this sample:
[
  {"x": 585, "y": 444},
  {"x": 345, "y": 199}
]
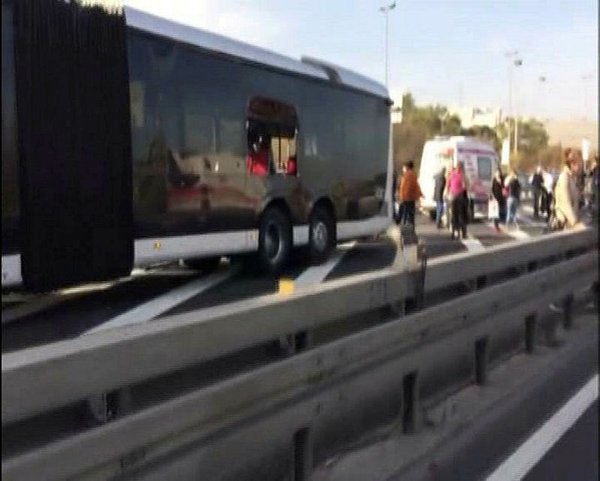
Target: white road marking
[
  {"x": 531, "y": 451},
  {"x": 32, "y": 305},
  {"x": 513, "y": 231},
  {"x": 149, "y": 310},
  {"x": 473, "y": 244},
  {"x": 316, "y": 274}
]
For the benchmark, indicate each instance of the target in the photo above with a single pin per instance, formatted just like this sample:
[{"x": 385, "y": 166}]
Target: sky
[{"x": 449, "y": 52}]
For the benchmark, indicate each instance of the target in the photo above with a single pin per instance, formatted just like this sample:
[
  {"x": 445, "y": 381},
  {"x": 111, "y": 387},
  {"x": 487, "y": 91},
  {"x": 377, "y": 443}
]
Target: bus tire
[
  {"x": 321, "y": 234},
  {"x": 274, "y": 241},
  {"x": 206, "y": 264}
]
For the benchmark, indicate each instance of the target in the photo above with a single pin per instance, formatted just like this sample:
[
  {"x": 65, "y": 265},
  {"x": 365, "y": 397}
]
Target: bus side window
[{"x": 272, "y": 135}]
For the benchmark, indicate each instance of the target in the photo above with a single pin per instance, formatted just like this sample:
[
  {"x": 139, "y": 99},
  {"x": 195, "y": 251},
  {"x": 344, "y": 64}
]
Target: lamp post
[
  {"x": 516, "y": 62},
  {"x": 386, "y": 10},
  {"x": 542, "y": 79}
]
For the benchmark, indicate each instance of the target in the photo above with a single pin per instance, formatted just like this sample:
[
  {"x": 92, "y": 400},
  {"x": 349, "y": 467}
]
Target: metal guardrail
[
  {"x": 39, "y": 379},
  {"x": 409, "y": 345}
]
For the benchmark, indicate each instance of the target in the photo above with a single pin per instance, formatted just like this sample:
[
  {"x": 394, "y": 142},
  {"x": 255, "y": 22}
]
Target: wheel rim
[
  {"x": 272, "y": 241},
  {"x": 320, "y": 236}
]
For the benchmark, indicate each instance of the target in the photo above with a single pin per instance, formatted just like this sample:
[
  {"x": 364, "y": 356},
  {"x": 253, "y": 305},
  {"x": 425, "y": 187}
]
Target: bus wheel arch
[
  {"x": 275, "y": 237},
  {"x": 322, "y": 235}
]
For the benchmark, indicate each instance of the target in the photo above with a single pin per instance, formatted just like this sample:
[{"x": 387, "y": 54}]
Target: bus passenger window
[
  {"x": 272, "y": 133},
  {"x": 258, "y": 160},
  {"x": 292, "y": 166}
]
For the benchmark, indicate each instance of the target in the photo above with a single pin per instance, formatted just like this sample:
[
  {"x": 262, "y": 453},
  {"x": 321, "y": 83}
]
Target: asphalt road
[
  {"x": 149, "y": 294},
  {"x": 575, "y": 456}
]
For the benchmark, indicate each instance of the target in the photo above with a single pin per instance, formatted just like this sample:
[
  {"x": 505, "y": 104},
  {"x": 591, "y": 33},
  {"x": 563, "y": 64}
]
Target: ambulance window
[{"x": 484, "y": 168}]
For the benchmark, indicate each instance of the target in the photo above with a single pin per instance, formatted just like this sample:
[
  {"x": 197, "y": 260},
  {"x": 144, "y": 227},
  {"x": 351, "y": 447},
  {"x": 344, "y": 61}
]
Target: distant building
[{"x": 477, "y": 116}]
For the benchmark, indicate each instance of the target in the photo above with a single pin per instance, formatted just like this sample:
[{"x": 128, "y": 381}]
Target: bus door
[{"x": 74, "y": 143}]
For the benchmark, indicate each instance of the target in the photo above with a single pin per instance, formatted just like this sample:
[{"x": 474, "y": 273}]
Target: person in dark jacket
[
  {"x": 537, "y": 185},
  {"x": 497, "y": 184},
  {"x": 514, "y": 195},
  {"x": 438, "y": 196}
]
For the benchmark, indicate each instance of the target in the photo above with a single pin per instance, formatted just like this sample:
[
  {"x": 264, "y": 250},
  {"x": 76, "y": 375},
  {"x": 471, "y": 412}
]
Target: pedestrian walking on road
[
  {"x": 567, "y": 195},
  {"x": 438, "y": 196},
  {"x": 456, "y": 193},
  {"x": 537, "y": 186},
  {"x": 497, "y": 184},
  {"x": 513, "y": 196},
  {"x": 409, "y": 194},
  {"x": 595, "y": 181}
]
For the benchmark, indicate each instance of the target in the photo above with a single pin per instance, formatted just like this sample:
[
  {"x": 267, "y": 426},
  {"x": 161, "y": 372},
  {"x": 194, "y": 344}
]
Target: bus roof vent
[
  {"x": 347, "y": 77},
  {"x": 331, "y": 72}
]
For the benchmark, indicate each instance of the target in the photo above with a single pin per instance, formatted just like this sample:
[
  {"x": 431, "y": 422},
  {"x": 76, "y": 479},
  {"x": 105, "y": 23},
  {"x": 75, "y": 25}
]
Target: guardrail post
[
  {"x": 303, "y": 455},
  {"x": 410, "y": 398},
  {"x": 595, "y": 294},
  {"x": 420, "y": 288},
  {"x": 550, "y": 331},
  {"x": 530, "y": 333},
  {"x": 568, "y": 312},
  {"x": 481, "y": 360},
  {"x": 415, "y": 259},
  {"x": 105, "y": 407},
  {"x": 292, "y": 343}
]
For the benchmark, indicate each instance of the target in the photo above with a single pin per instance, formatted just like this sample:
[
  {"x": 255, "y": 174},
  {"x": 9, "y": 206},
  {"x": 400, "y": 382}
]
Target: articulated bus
[{"x": 128, "y": 140}]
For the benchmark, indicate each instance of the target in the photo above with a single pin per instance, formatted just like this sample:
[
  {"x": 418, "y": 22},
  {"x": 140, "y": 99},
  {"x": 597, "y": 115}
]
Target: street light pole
[
  {"x": 386, "y": 10},
  {"x": 517, "y": 62},
  {"x": 542, "y": 80}
]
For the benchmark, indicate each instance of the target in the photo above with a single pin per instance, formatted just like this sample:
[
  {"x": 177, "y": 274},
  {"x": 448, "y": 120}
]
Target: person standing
[
  {"x": 497, "y": 184},
  {"x": 537, "y": 185},
  {"x": 409, "y": 194},
  {"x": 456, "y": 188},
  {"x": 567, "y": 195},
  {"x": 513, "y": 191},
  {"x": 438, "y": 196},
  {"x": 595, "y": 181}
]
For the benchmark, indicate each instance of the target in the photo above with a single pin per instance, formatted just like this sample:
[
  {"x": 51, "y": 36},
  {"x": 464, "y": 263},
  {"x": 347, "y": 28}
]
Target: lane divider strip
[
  {"x": 516, "y": 467},
  {"x": 153, "y": 308},
  {"x": 316, "y": 274}
]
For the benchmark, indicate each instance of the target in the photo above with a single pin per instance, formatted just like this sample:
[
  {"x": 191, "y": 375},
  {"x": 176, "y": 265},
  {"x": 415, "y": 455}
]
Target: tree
[
  {"x": 420, "y": 124},
  {"x": 532, "y": 136},
  {"x": 485, "y": 133},
  {"x": 451, "y": 125}
]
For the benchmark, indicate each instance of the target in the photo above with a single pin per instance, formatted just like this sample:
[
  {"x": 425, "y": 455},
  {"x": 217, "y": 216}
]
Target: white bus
[{"x": 128, "y": 139}]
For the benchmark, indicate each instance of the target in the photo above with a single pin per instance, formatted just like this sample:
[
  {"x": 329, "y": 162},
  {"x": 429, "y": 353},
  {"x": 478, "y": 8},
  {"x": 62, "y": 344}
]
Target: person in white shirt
[{"x": 567, "y": 193}]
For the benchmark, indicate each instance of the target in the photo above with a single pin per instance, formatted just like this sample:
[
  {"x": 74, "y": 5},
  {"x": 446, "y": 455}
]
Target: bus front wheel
[
  {"x": 274, "y": 241},
  {"x": 321, "y": 235}
]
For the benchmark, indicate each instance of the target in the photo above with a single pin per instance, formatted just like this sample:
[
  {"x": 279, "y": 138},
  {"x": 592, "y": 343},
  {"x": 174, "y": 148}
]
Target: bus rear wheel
[
  {"x": 321, "y": 235},
  {"x": 274, "y": 241}
]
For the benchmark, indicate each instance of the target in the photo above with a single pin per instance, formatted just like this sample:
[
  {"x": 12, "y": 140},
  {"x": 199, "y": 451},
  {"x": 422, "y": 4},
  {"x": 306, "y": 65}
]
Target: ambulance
[{"x": 480, "y": 161}]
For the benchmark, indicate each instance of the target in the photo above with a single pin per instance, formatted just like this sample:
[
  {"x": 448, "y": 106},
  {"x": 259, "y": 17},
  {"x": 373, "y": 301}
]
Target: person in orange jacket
[{"x": 408, "y": 194}]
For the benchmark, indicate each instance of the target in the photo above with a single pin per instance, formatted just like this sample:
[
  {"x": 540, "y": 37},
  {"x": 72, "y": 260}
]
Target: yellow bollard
[{"x": 286, "y": 286}]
